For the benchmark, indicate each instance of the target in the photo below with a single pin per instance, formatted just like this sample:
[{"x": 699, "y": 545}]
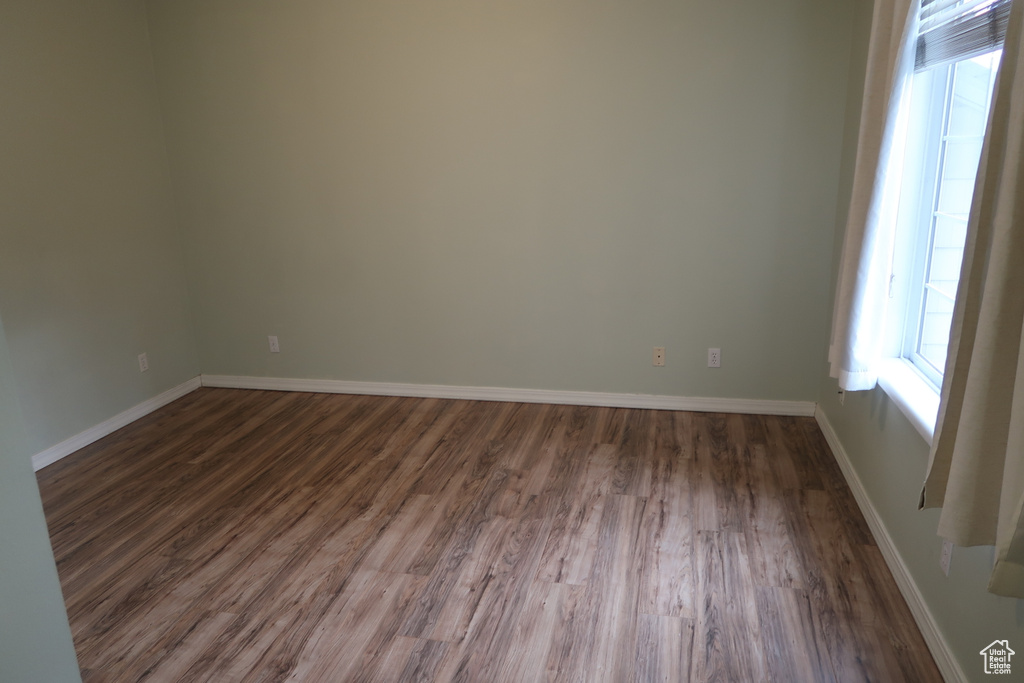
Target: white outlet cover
[
  {"x": 659, "y": 356},
  {"x": 946, "y": 557},
  {"x": 274, "y": 346},
  {"x": 143, "y": 362},
  {"x": 714, "y": 358}
]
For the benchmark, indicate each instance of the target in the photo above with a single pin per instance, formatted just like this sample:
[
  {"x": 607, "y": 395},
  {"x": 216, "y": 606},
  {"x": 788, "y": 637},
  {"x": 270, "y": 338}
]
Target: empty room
[{"x": 646, "y": 340}]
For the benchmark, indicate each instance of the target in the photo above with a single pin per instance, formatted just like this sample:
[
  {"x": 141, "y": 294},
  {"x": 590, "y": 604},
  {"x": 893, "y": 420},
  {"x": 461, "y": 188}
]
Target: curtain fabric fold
[
  {"x": 976, "y": 465},
  {"x": 862, "y": 287}
]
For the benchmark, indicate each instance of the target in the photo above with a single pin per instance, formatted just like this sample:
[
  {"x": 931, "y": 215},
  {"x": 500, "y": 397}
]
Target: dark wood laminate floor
[{"x": 269, "y": 536}]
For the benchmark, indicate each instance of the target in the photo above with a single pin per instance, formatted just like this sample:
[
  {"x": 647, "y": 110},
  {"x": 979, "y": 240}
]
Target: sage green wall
[
  {"x": 890, "y": 458},
  {"x": 517, "y": 193},
  {"x": 35, "y": 640},
  {"x": 91, "y": 268}
]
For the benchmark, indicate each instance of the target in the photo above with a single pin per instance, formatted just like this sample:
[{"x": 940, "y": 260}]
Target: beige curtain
[
  {"x": 863, "y": 283},
  {"x": 976, "y": 467}
]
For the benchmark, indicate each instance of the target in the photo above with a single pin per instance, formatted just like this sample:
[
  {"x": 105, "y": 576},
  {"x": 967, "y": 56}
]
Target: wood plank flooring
[{"x": 269, "y": 536}]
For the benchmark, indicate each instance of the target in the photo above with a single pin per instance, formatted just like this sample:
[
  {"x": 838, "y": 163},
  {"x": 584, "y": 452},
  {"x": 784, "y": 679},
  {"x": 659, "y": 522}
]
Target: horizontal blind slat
[
  {"x": 966, "y": 30},
  {"x": 945, "y": 11}
]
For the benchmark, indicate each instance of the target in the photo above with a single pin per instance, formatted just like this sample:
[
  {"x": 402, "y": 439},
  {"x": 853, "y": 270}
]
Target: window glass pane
[
  {"x": 938, "y": 317},
  {"x": 955, "y": 195},
  {"x": 944, "y": 270},
  {"x": 950, "y": 231},
  {"x": 961, "y": 162},
  {"x": 947, "y": 253},
  {"x": 971, "y": 94},
  {"x": 962, "y": 135}
]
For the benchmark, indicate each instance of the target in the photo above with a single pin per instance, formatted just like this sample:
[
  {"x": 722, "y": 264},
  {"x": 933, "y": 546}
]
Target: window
[{"x": 958, "y": 52}]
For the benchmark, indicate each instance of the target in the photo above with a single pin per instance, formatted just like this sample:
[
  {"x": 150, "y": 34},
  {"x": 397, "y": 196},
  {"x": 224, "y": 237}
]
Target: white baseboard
[
  {"x": 582, "y": 398},
  {"x": 83, "y": 439},
  {"x": 943, "y": 654},
  {"x": 578, "y": 398}
]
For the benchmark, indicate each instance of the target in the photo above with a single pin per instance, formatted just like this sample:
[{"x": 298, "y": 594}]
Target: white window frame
[{"x": 909, "y": 379}]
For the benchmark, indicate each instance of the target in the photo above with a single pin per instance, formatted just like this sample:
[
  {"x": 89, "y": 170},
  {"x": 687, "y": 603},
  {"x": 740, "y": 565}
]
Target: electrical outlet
[
  {"x": 143, "y": 362},
  {"x": 946, "y": 557},
  {"x": 842, "y": 397},
  {"x": 659, "y": 355},
  {"x": 714, "y": 358},
  {"x": 274, "y": 346}
]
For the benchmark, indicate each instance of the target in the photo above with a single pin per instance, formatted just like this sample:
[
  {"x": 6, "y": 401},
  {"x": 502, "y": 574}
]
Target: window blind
[{"x": 951, "y": 30}]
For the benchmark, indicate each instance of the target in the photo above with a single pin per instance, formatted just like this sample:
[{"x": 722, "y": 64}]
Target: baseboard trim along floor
[
  {"x": 122, "y": 419},
  {"x": 330, "y": 386},
  {"x": 578, "y": 398}
]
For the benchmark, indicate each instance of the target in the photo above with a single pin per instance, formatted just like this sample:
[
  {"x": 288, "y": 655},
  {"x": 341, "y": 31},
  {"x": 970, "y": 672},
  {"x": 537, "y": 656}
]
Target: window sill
[{"x": 915, "y": 396}]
